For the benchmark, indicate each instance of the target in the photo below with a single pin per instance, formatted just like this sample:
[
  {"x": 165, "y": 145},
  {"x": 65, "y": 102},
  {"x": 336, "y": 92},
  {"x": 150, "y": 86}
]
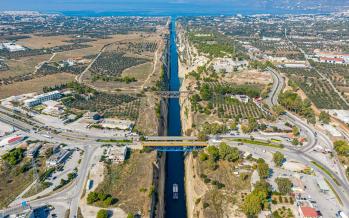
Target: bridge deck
[
  {"x": 171, "y": 138},
  {"x": 174, "y": 144}
]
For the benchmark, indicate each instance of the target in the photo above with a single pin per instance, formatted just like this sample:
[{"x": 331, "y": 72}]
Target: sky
[{"x": 150, "y": 6}]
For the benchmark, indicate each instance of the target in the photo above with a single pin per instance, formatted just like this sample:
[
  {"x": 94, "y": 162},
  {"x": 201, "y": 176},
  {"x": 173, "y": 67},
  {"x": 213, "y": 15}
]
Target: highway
[{"x": 312, "y": 137}]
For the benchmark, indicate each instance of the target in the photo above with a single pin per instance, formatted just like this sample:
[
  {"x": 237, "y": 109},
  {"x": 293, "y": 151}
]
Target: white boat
[{"x": 175, "y": 191}]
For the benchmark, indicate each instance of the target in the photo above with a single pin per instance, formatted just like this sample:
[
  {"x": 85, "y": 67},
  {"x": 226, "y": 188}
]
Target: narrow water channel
[{"x": 174, "y": 208}]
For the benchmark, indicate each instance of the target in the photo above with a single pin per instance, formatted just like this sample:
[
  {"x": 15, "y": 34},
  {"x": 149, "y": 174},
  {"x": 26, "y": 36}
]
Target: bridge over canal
[{"x": 175, "y": 145}]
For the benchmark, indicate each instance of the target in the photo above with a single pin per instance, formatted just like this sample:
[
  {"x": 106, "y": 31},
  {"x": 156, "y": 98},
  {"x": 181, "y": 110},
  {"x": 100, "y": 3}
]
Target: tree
[
  {"x": 102, "y": 196},
  {"x": 92, "y": 197},
  {"x": 224, "y": 150},
  {"x": 295, "y": 131},
  {"x": 203, "y": 156},
  {"x": 102, "y": 213},
  {"x": 213, "y": 153},
  {"x": 14, "y": 156},
  {"x": 263, "y": 186},
  {"x": 108, "y": 201},
  {"x": 284, "y": 185},
  {"x": 295, "y": 141},
  {"x": 233, "y": 125},
  {"x": 228, "y": 153},
  {"x": 278, "y": 109},
  {"x": 252, "y": 204},
  {"x": 324, "y": 117},
  {"x": 254, "y": 201},
  {"x": 263, "y": 170},
  {"x": 252, "y": 124},
  {"x": 278, "y": 158},
  {"x": 205, "y": 92},
  {"x": 245, "y": 128},
  {"x": 233, "y": 155},
  {"x": 202, "y": 136},
  {"x": 341, "y": 147}
]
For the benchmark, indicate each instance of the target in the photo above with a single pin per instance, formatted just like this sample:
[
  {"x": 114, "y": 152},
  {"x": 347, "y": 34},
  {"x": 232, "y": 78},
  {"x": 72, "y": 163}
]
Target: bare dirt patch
[
  {"x": 249, "y": 76},
  {"x": 38, "y": 42},
  {"x": 35, "y": 85},
  {"x": 23, "y": 66}
]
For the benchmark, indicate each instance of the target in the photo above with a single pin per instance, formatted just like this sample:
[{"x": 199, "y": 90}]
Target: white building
[
  {"x": 228, "y": 65},
  {"x": 241, "y": 98},
  {"x": 117, "y": 154},
  {"x": 12, "y": 47},
  {"x": 42, "y": 98},
  {"x": 58, "y": 158},
  {"x": 273, "y": 39}
]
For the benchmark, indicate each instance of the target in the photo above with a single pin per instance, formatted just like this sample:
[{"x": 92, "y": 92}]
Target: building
[
  {"x": 322, "y": 185},
  {"x": 58, "y": 158},
  {"x": 272, "y": 39},
  {"x": 228, "y": 65},
  {"x": 242, "y": 98},
  {"x": 332, "y": 60},
  {"x": 12, "y": 47},
  {"x": 331, "y": 57},
  {"x": 117, "y": 154},
  {"x": 33, "y": 150},
  {"x": 12, "y": 140},
  {"x": 308, "y": 212},
  {"x": 42, "y": 98}
]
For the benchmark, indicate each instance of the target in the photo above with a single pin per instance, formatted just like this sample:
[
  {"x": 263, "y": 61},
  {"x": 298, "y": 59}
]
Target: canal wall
[{"x": 158, "y": 199}]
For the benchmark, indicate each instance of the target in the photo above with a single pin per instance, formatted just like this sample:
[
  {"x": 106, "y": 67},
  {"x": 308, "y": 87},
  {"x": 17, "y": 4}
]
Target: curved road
[{"x": 342, "y": 188}]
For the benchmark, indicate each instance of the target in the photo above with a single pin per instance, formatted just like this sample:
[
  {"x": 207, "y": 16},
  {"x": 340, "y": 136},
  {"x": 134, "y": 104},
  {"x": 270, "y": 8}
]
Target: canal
[{"x": 174, "y": 160}]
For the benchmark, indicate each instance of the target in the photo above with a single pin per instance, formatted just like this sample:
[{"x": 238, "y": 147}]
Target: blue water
[
  {"x": 174, "y": 160},
  {"x": 155, "y": 7}
]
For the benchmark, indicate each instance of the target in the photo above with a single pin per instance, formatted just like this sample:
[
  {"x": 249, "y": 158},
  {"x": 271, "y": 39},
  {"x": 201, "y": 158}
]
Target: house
[{"x": 308, "y": 212}]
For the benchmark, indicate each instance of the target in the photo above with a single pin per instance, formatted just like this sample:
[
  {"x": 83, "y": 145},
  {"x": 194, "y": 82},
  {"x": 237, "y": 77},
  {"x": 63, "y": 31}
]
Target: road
[
  {"x": 313, "y": 138},
  {"x": 272, "y": 100}
]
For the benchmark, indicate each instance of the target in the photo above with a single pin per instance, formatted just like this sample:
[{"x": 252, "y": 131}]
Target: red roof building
[
  {"x": 332, "y": 60},
  {"x": 308, "y": 212},
  {"x": 15, "y": 140}
]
